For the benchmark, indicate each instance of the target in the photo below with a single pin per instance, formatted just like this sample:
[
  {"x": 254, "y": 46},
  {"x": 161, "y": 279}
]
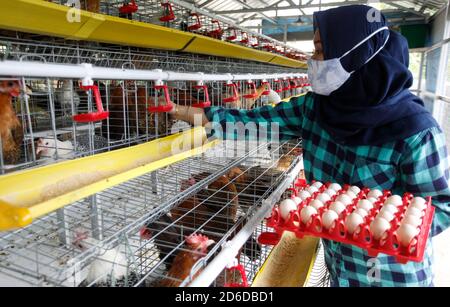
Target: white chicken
[
  {"x": 47, "y": 148},
  {"x": 110, "y": 265}
]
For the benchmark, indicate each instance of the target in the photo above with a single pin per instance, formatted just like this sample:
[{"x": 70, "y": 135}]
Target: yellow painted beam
[
  {"x": 33, "y": 193},
  {"x": 284, "y": 61},
  {"x": 210, "y": 46},
  {"x": 46, "y": 18}
]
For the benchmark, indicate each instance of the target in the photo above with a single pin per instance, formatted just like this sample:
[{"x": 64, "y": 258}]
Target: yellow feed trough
[
  {"x": 289, "y": 264},
  {"x": 30, "y": 194}
]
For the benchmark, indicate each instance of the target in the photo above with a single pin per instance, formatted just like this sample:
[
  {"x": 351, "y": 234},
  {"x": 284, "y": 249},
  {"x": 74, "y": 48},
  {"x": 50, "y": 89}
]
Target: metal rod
[{"x": 87, "y": 71}]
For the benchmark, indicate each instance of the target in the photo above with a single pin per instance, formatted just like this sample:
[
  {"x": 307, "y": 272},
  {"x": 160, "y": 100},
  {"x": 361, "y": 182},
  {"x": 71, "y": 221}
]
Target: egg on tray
[
  {"x": 418, "y": 203},
  {"x": 395, "y": 200},
  {"x": 375, "y": 194},
  {"x": 304, "y": 195},
  {"x": 365, "y": 204},
  {"x": 317, "y": 204},
  {"x": 379, "y": 228},
  {"x": 286, "y": 207},
  {"x": 330, "y": 192},
  {"x": 351, "y": 194},
  {"x": 389, "y": 207},
  {"x": 415, "y": 212},
  {"x": 353, "y": 222},
  {"x": 355, "y": 189},
  {"x": 323, "y": 197},
  {"x": 312, "y": 190},
  {"x": 306, "y": 214},
  {"x": 297, "y": 200},
  {"x": 338, "y": 207},
  {"x": 317, "y": 184},
  {"x": 406, "y": 234},
  {"x": 387, "y": 215},
  {"x": 363, "y": 213},
  {"x": 335, "y": 186},
  {"x": 372, "y": 200},
  {"x": 412, "y": 220},
  {"x": 345, "y": 199},
  {"x": 329, "y": 218}
]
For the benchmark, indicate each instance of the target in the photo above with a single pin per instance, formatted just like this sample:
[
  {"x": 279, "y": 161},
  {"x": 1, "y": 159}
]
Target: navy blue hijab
[{"x": 375, "y": 105}]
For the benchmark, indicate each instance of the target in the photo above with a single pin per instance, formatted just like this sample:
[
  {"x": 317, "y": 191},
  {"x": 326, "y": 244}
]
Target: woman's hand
[{"x": 194, "y": 116}]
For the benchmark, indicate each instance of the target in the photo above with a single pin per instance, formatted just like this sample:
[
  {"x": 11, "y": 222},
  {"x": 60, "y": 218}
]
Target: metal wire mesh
[
  {"x": 46, "y": 253},
  {"x": 175, "y": 15},
  {"x": 97, "y": 241}
]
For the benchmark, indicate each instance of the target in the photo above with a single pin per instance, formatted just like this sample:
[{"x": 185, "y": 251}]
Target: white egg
[
  {"x": 412, "y": 220},
  {"x": 418, "y": 206},
  {"x": 312, "y": 190},
  {"x": 365, "y": 204},
  {"x": 328, "y": 218},
  {"x": 396, "y": 200},
  {"x": 330, "y": 192},
  {"x": 307, "y": 213},
  {"x": 345, "y": 199},
  {"x": 338, "y": 207},
  {"x": 317, "y": 204},
  {"x": 415, "y": 212},
  {"x": 355, "y": 189},
  {"x": 304, "y": 195},
  {"x": 363, "y": 213},
  {"x": 351, "y": 194},
  {"x": 387, "y": 215},
  {"x": 389, "y": 208},
  {"x": 335, "y": 186},
  {"x": 323, "y": 197},
  {"x": 406, "y": 234},
  {"x": 353, "y": 221},
  {"x": 286, "y": 206},
  {"x": 419, "y": 200},
  {"x": 317, "y": 184},
  {"x": 379, "y": 227},
  {"x": 297, "y": 200},
  {"x": 372, "y": 200},
  {"x": 374, "y": 193}
]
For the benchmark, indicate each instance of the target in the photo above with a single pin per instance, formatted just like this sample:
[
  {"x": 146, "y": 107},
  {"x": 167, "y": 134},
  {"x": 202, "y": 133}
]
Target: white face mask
[{"x": 329, "y": 75}]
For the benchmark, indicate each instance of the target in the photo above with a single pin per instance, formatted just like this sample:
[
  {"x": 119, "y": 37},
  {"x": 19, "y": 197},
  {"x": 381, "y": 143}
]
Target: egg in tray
[{"x": 132, "y": 234}]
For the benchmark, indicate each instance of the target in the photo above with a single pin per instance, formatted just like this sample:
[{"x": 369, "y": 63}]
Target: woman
[{"x": 361, "y": 126}]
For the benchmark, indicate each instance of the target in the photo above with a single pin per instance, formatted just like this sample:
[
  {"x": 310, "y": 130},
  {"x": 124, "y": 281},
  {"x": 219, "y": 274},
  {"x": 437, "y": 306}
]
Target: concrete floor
[{"x": 442, "y": 257}]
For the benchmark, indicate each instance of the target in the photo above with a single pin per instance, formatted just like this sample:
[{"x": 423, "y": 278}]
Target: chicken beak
[{"x": 210, "y": 242}]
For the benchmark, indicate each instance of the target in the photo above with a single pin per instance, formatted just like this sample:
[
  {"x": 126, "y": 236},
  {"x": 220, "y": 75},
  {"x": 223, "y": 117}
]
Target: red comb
[{"x": 196, "y": 239}]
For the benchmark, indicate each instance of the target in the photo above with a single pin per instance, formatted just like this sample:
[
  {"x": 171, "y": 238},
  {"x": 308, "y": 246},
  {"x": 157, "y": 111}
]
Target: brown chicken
[
  {"x": 91, "y": 5},
  {"x": 11, "y": 131},
  {"x": 129, "y": 115},
  {"x": 196, "y": 247},
  {"x": 215, "y": 205}
]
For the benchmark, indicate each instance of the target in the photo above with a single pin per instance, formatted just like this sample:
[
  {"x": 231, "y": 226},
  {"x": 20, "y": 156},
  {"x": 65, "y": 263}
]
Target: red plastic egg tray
[{"x": 389, "y": 244}]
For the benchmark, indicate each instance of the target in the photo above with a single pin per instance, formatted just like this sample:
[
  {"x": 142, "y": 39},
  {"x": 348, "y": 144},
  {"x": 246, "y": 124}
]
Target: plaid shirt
[{"x": 418, "y": 164}]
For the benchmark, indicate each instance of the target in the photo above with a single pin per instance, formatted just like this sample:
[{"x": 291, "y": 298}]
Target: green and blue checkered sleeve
[
  {"x": 282, "y": 122},
  {"x": 425, "y": 171}
]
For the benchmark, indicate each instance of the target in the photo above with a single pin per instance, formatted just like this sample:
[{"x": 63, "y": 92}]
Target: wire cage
[
  {"x": 184, "y": 16},
  {"x": 51, "y": 112},
  {"x": 130, "y": 235},
  {"x": 124, "y": 237}
]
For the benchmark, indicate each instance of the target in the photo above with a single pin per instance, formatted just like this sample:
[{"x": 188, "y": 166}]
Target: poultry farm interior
[{"x": 162, "y": 228}]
